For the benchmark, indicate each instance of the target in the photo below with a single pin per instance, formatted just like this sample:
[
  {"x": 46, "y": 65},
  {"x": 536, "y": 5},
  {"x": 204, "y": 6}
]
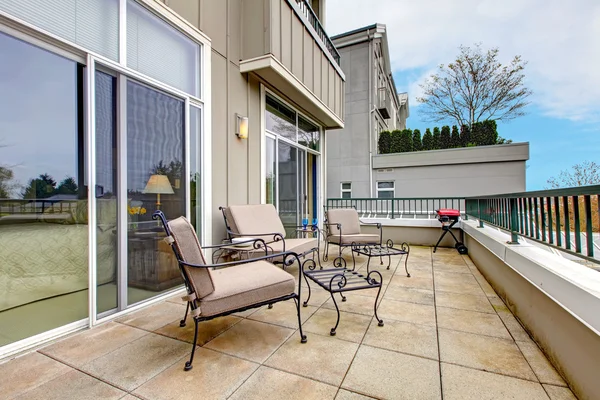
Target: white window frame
[
  {"x": 342, "y": 190},
  {"x": 31, "y": 34},
  {"x": 392, "y": 189}
]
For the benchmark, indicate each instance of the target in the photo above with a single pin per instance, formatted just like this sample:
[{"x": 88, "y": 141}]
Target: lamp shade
[{"x": 158, "y": 184}]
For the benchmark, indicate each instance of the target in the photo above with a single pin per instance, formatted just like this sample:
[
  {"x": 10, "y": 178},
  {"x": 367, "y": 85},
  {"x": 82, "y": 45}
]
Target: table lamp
[{"x": 158, "y": 184}]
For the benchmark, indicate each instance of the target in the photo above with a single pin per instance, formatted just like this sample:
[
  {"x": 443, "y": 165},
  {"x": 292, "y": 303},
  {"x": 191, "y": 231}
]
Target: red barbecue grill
[{"x": 449, "y": 217}]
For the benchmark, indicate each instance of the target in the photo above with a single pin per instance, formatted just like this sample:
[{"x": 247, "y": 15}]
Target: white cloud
[{"x": 560, "y": 40}]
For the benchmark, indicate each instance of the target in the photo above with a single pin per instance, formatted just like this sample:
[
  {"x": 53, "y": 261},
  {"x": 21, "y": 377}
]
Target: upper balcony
[
  {"x": 384, "y": 103},
  {"x": 285, "y": 44}
]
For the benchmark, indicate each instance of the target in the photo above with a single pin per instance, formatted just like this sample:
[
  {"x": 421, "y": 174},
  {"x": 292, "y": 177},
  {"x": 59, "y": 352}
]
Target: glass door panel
[
  {"x": 271, "y": 171},
  {"x": 106, "y": 191},
  {"x": 288, "y": 192},
  {"x": 155, "y": 180}
]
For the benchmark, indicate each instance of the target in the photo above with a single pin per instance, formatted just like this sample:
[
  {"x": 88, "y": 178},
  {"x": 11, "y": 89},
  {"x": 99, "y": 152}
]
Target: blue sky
[{"x": 559, "y": 39}]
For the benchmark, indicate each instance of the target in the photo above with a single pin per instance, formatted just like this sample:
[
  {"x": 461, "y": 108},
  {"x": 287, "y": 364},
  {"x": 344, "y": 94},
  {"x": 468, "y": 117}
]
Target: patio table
[{"x": 381, "y": 251}]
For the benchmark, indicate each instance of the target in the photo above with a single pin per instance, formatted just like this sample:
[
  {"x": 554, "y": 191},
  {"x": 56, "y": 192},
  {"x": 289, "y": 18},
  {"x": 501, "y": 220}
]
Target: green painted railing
[
  {"x": 398, "y": 207},
  {"x": 567, "y": 219}
]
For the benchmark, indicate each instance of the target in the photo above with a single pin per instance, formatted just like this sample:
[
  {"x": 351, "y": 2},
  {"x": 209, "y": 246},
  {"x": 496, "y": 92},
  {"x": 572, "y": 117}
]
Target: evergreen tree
[
  {"x": 40, "y": 188},
  {"x": 406, "y": 144},
  {"x": 396, "y": 146},
  {"x": 416, "y": 140},
  {"x": 465, "y": 136},
  {"x": 455, "y": 138},
  {"x": 445, "y": 138},
  {"x": 385, "y": 142},
  {"x": 67, "y": 186},
  {"x": 427, "y": 140},
  {"x": 436, "y": 138}
]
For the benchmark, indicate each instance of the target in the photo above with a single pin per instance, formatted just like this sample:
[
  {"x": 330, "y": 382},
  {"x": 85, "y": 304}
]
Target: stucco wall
[{"x": 473, "y": 171}]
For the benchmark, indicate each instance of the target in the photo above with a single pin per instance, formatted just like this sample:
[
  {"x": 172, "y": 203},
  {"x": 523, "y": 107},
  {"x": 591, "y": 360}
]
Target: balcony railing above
[
  {"x": 384, "y": 102},
  {"x": 313, "y": 20}
]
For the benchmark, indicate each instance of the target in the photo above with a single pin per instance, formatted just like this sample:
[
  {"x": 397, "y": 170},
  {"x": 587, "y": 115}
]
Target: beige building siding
[{"x": 243, "y": 30}]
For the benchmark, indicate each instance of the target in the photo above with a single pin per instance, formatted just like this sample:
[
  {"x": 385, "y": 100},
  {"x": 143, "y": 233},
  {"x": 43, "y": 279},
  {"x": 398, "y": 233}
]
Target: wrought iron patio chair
[
  {"x": 342, "y": 228},
  {"x": 216, "y": 290}
]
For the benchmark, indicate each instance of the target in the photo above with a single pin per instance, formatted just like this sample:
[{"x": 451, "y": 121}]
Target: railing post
[
  {"x": 514, "y": 235},
  {"x": 587, "y": 205},
  {"x": 393, "y": 217},
  {"x": 479, "y": 211}
]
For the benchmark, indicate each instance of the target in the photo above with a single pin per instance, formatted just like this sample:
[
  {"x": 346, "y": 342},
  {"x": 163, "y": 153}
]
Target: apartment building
[
  {"x": 372, "y": 105},
  {"x": 111, "y": 109}
]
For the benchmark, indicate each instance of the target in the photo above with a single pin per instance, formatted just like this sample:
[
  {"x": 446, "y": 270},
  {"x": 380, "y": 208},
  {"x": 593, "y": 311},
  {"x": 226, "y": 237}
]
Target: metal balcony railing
[
  {"x": 566, "y": 219},
  {"x": 414, "y": 208},
  {"x": 313, "y": 20}
]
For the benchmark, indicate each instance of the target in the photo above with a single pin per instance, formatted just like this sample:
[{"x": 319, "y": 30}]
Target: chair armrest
[
  {"x": 257, "y": 244},
  {"x": 276, "y": 236},
  {"x": 378, "y": 225},
  {"x": 289, "y": 257}
]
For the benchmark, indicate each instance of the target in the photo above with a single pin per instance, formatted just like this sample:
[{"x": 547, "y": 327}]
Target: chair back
[
  {"x": 252, "y": 219},
  {"x": 186, "y": 247},
  {"x": 347, "y": 217}
]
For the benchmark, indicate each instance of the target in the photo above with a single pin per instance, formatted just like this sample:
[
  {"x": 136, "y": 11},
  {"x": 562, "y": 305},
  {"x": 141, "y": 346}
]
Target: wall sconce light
[{"x": 241, "y": 129}]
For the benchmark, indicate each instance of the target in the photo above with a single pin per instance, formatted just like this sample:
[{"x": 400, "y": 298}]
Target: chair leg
[
  {"x": 302, "y": 335},
  {"x": 326, "y": 255},
  {"x": 332, "y": 331},
  {"x": 182, "y": 322},
  {"x": 309, "y": 291},
  {"x": 188, "y": 364}
]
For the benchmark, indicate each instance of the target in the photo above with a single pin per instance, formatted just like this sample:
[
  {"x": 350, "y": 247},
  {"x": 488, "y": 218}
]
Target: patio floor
[{"x": 446, "y": 335}]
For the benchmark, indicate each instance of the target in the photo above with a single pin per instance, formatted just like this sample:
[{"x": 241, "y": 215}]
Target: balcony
[
  {"x": 384, "y": 102},
  {"x": 447, "y": 333},
  {"x": 285, "y": 45}
]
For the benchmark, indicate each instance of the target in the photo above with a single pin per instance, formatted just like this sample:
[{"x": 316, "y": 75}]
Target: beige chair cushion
[
  {"x": 255, "y": 218},
  {"x": 296, "y": 245},
  {"x": 358, "y": 239},
  {"x": 348, "y": 217},
  {"x": 245, "y": 285},
  {"x": 186, "y": 243}
]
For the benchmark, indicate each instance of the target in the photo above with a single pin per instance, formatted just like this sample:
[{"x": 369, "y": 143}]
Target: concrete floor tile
[
  {"x": 470, "y": 302},
  {"x": 485, "y": 353},
  {"x": 355, "y": 303},
  {"x": 453, "y": 268},
  {"x": 423, "y": 281},
  {"x": 131, "y": 365},
  {"x": 543, "y": 369},
  {"x": 207, "y": 330},
  {"x": 27, "y": 372},
  {"x": 407, "y": 312},
  {"x": 283, "y": 314},
  {"x": 411, "y": 295},
  {"x": 471, "y": 321},
  {"x": 456, "y": 283},
  {"x": 418, "y": 340},
  {"x": 213, "y": 376},
  {"x": 352, "y": 327},
  {"x": 155, "y": 316},
  {"x": 269, "y": 383},
  {"x": 462, "y": 383},
  {"x": 177, "y": 299},
  {"x": 559, "y": 392},
  {"x": 86, "y": 346},
  {"x": 252, "y": 340},
  {"x": 386, "y": 374},
  {"x": 318, "y": 296},
  {"x": 323, "y": 358},
  {"x": 73, "y": 385},
  {"x": 247, "y": 313},
  {"x": 348, "y": 395}
]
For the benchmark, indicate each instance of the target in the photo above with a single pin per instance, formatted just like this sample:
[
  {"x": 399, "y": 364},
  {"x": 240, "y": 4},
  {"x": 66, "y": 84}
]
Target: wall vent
[{"x": 381, "y": 170}]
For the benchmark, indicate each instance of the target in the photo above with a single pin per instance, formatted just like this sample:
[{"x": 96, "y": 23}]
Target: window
[
  {"x": 385, "y": 190},
  {"x": 346, "y": 190}
]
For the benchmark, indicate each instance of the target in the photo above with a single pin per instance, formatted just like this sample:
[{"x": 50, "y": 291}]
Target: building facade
[
  {"x": 111, "y": 109},
  {"x": 372, "y": 105}
]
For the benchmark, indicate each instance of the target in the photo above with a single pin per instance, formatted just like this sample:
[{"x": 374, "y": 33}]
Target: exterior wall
[
  {"x": 473, "y": 171},
  {"x": 240, "y": 30},
  {"x": 365, "y": 64},
  {"x": 348, "y": 148},
  {"x": 573, "y": 348}
]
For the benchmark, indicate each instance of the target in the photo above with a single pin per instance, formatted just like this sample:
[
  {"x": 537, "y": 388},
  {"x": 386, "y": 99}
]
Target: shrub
[
  {"x": 465, "y": 135},
  {"x": 396, "y": 145},
  {"x": 427, "y": 140},
  {"x": 406, "y": 142},
  {"x": 436, "y": 139},
  {"x": 385, "y": 142},
  {"x": 484, "y": 133},
  {"x": 445, "y": 139},
  {"x": 455, "y": 138},
  {"x": 416, "y": 140}
]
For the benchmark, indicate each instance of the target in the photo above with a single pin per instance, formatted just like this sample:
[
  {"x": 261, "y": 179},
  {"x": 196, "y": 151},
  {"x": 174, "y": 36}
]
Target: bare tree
[
  {"x": 475, "y": 87},
  {"x": 584, "y": 174}
]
